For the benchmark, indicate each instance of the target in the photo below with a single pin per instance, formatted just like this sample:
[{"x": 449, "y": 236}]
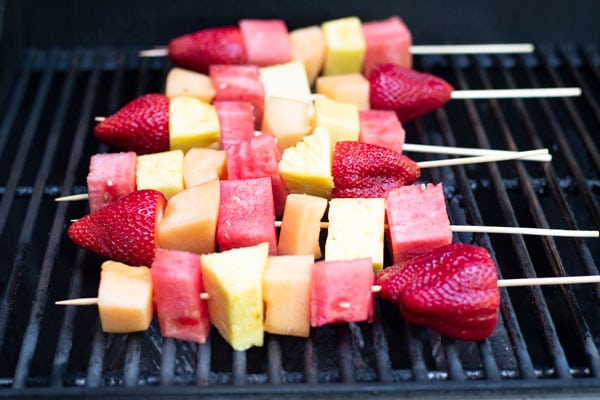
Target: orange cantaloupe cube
[
  {"x": 286, "y": 119},
  {"x": 183, "y": 82},
  {"x": 308, "y": 46},
  {"x": 300, "y": 225},
  {"x": 347, "y": 88},
  {"x": 201, "y": 165}
]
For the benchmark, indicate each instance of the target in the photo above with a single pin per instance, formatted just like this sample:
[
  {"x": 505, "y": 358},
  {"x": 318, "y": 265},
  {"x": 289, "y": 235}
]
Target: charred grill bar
[{"x": 546, "y": 342}]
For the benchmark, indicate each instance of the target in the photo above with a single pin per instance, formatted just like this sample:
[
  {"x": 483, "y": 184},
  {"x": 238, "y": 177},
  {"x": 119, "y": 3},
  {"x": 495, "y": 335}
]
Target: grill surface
[{"x": 546, "y": 341}]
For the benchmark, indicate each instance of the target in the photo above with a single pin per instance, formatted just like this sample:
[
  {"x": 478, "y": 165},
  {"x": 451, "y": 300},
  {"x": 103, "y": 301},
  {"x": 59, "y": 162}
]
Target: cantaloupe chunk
[
  {"x": 356, "y": 230},
  {"x": 192, "y": 123},
  {"x": 286, "y": 119},
  {"x": 341, "y": 119},
  {"x": 189, "y": 222},
  {"x": 286, "y": 284},
  {"x": 201, "y": 165},
  {"x": 286, "y": 80},
  {"x": 160, "y": 171},
  {"x": 346, "y": 88},
  {"x": 125, "y": 298},
  {"x": 345, "y": 45},
  {"x": 233, "y": 280},
  {"x": 308, "y": 46},
  {"x": 300, "y": 225},
  {"x": 183, "y": 82}
]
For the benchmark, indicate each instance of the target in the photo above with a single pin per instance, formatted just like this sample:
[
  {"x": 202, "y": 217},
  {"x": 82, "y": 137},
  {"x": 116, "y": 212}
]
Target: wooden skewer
[
  {"x": 516, "y": 93},
  {"x": 92, "y": 301},
  {"x": 467, "y": 151}
]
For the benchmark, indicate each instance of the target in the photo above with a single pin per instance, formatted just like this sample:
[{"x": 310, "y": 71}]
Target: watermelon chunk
[
  {"x": 246, "y": 214},
  {"x": 381, "y": 127},
  {"x": 111, "y": 176},
  {"x": 341, "y": 291},
  {"x": 388, "y": 41},
  {"x": 417, "y": 220},
  {"x": 237, "y": 121},
  {"x": 177, "y": 283},
  {"x": 266, "y": 41}
]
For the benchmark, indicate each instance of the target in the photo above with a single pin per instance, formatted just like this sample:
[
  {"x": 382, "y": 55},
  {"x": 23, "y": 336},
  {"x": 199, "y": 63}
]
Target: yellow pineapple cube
[
  {"x": 160, "y": 171},
  {"x": 346, "y": 88},
  {"x": 345, "y": 45},
  {"x": 308, "y": 46},
  {"x": 183, "y": 82},
  {"x": 306, "y": 167},
  {"x": 192, "y": 123},
  {"x": 233, "y": 281},
  {"x": 341, "y": 119},
  {"x": 356, "y": 230},
  {"x": 286, "y": 80}
]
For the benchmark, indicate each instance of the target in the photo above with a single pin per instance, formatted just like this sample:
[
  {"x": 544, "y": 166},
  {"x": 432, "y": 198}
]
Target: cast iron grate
[{"x": 546, "y": 340}]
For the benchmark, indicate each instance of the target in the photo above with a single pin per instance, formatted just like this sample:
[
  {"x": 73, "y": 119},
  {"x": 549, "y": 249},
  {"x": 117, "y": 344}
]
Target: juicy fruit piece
[
  {"x": 300, "y": 228},
  {"x": 192, "y": 123},
  {"x": 286, "y": 80},
  {"x": 286, "y": 119},
  {"x": 177, "y": 282},
  {"x": 367, "y": 170},
  {"x": 356, "y": 230},
  {"x": 381, "y": 127},
  {"x": 341, "y": 291},
  {"x": 184, "y": 82},
  {"x": 123, "y": 231},
  {"x": 345, "y": 46},
  {"x": 388, "y": 42},
  {"x": 236, "y": 119},
  {"x": 125, "y": 298},
  {"x": 286, "y": 285},
  {"x": 201, "y": 165},
  {"x": 453, "y": 289},
  {"x": 142, "y": 125},
  {"x": 198, "y": 50},
  {"x": 308, "y": 46},
  {"x": 111, "y": 177},
  {"x": 246, "y": 214},
  {"x": 306, "y": 167},
  {"x": 341, "y": 119},
  {"x": 417, "y": 220},
  {"x": 233, "y": 280},
  {"x": 161, "y": 171},
  {"x": 346, "y": 88},
  {"x": 411, "y": 94},
  {"x": 266, "y": 41},
  {"x": 190, "y": 219}
]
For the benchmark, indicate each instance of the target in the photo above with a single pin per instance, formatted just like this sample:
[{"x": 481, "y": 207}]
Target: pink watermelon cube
[
  {"x": 257, "y": 158},
  {"x": 417, "y": 220},
  {"x": 177, "y": 285},
  {"x": 388, "y": 42},
  {"x": 246, "y": 214},
  {"x": 239, "y": 83},
  {"x": 236, "y": 119},
  {"x": 381, "y": 127},
  {"x": 266, "y": 41},
  {"x": 111, "y": 176},
  {"x": 341, "y": 291}
]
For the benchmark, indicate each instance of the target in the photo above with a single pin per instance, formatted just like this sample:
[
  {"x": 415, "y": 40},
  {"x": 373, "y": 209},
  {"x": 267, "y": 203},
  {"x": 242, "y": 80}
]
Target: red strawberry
[
  {"x": 453, "y": 289},
  {"x": 368, "y": 170},
  {"x": 198, "y": 50},
  {"x": 142, "y": 125},
  {"x": 124, "y": 230},
  {"x": 411, "y": 94}
]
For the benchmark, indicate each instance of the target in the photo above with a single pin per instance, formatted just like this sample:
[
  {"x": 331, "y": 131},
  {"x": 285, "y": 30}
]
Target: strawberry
[
  {"x": 142, "y": 125},
  {"x": 124, "y": 230},
  {"x": 368, "y": 170},
  {"x": 198, "y": 50},
  {"x": 411, "y": 94},
  {"x": 453, "y": 289}
]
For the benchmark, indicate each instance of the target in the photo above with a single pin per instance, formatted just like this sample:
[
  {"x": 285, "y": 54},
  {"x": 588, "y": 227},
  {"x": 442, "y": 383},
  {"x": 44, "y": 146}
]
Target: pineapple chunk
[
  {"x": 347, "y": 88},
  {"x": 345, "y": 45},
  {"x": 306, "y": 167},
  {"x": 341, "y": 119},
  {"x": 308, "y": 46},
  {"x": 192, "y": 123},
  {"x": 125, "y": 298},
  {"x": 286, "y": 80},
  {"x": 160, "y": 171},
  {"x": 356, "y": 230},
  {"x": 300, "y": 225},
  {"x": 233, "y": 280},
  {"x": 286, "y": 119},
  {"x": 183, "y": 82}
]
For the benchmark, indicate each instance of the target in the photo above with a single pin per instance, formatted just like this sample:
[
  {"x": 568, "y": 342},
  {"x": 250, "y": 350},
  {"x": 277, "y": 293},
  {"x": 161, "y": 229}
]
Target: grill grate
[{"x": 546, "y": 340}]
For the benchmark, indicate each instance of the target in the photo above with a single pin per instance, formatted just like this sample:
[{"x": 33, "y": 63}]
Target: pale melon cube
[
  {"x": 356, "y": 230},
  {"x": 300, "y": 225},
  {"x": 192, "y": 123},
  {"x": 189, "y": 222},
  {"x": 346, "y": 88},
  {"x": 286, "y": 119},
  {"x": 125, "y": 298},
  {"x": 183, "y": 82},
  {"x": 308, "y": 46},
  {"x": 286, "y": 285},
  {"x": 233, "y": 281},
  {"x": 345, "y": 45},
  {"x": 201, "y": 165},
  {"x": 341, "y": 119},
  {"x": 160, "y": 171},
  {"x": 286, "y": 80},
  {"x": 306, "y": 167}
]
